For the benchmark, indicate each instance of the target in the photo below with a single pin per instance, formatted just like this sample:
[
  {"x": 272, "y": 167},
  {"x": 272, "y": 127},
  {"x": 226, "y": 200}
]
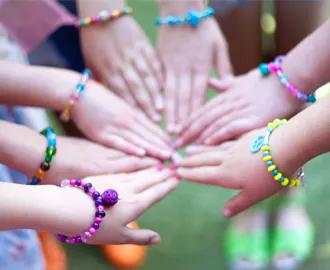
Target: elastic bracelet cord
[
  {"x": 50, "y": 153},
  {"x": 80, "y": 87},
  {"x": 276, "y": 68},
  {"x": 104, "y": 16},
  {"x": 262, "y": 143},
  {"x": 108, "y": 198},
  {"x": 193, "y": 18}
]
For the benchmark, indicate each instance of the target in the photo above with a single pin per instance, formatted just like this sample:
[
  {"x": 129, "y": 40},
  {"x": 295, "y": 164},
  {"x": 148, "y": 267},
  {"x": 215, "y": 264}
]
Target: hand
[
  {"x": 138, "y": 191},
  {"x": 107, "y": 119},
  {"x": 121, "y": 56},
  {"x": 188, "y": 56},
  {"x": 237, "y": 168},
  {"x": 78, "y": 158},
  {"x": 248, "y": 102}
]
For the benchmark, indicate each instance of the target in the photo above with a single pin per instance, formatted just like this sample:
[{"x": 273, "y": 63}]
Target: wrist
[
  {"x": 91, "y": 8},
  {"x": 179, "y": 8}
]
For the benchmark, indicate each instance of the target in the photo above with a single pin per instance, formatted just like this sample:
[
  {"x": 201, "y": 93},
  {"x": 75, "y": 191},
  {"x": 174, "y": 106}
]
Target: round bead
[
  {"x": 285, "y": 182},
  {"x": 100, "y": 208},
  {"x": 278, "y": 176},
  {"x": 48, "y": 158},
  {"x": 292, "y": 183},
  {"x": 100, "y": 214},
  {"x": 78, "y": 183},
  {"x": 271, "y": 125},
  {"x": 267, "y": 158},
  {"x": 40, "y": 174},
  {"x": 44, "y": 166},
  {"x": 263, "y": 68},
  {"x": 266, "y": 153},
  {"x": 269, "y": 163},
  {"x": 271, "y": 168},
  {"x": 96, "y": 226},
  {"x": 73, "y": 182},
  {"x": 65, "y": 183},
  {"x": 275, "y": 172},
  {"x": 51, "y": 151},
  {"x": 272, "y": 67},
  {"x": 265, "y": 148},
  {"x": 96, "y": 195},
  {"x": 297, "y": 183},
  {"x": 110, "y": 197},
  {"x": 87, "y": 187},
  {"x": 91, "y": 231},
  {"x": 98, "y": 220},
  {"x": 98, "y": 201},
  {"x": 278, "y": 122}
]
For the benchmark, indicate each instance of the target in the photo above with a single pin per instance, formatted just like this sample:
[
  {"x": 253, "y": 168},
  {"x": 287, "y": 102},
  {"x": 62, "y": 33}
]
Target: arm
[
  {"x": 179, "y": 8},
  {"x": 307, "y": 65},
  {"x": 91, "y": 8}
]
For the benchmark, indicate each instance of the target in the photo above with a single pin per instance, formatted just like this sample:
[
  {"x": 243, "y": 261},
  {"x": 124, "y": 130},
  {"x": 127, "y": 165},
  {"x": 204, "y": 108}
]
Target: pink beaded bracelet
[{"x": 108, "y": 198}]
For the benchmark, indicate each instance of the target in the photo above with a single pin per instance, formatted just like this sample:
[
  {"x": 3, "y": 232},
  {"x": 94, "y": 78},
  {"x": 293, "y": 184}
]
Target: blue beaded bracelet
[
  {"x": 193, "y": 18},
  {"x": 50, "y": 152}
]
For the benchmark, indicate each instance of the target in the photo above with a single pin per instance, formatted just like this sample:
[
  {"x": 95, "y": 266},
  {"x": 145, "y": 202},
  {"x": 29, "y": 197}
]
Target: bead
[
  {"x": 73, "y": 182},
  {"x": 275, "y": 172},
  {"x": 65, "y": 183},
  {"x": 98, "y": 201},
  {"x": 91, "y": 231},
  {"x": 271, "y": 168},
  {"x": 44, "y": 166},
  {"x": 267, "y": 158},
  {"x": 78, "y": 183},
  {"x": 96, "y": 195},
  {"x": 110, "y": 197},
  {"x": 194, "y": 18},
  {"x": 40, "y": 174},
  {"x": 96, "y": 226},
  {"x": 272, "y": 67},
  {"x": 35, "y": 181},
  {"x": 297, "y": 183},
  {"x": 75, "y": 96},
  {"x": 285, "y": 182},
  {"x": 284, "y": 121},
  {"x": 293, "y": 183},
  {"x": 271, "y": 125},
  {"x": 278, "y": 122},
  {"x": 281, "y": 179},
  {"x": 278, "y": 176},
  {"x": 269, "y": 163},
  {"x": 263, "y": 68},
  {"x": 100, "y": 208},
  {"x": 51, "y": 151},
  {"x": 85, "y": 236},
  {"x": 100, "y": 214},
  {"x": 98, "y": 220},
  {"x": 79, "y": 240},
  {"x": 43, "y": 132},
  {"x": 266, "y": 153},
  {"x": 92, "y": 190},
  {"x": 265, "y": 148},
  {"x": 87, "y": 187},
  {"x": 311, "y": 98}
]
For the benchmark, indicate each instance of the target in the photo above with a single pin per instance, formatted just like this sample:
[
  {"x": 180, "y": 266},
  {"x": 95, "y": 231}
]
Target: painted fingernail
[
  {"x": 226, "y": 212},
  {"x": 176, "y": 157},
  {"x": 172, "y": 167},
  {"x": 156, "y": 117},
  {"x": 191, "y": 149},
  {"x": 165, "y": 154},
  {"x": 160, "y": 166},
  {"x": 179, "y": 143},
  {"x": 141, "y": 152},
  {"x": 177, "y": 177},
  {"x": 178, "y": 128},
  {"x": 159, "y": 104},
  {"x": 154, "y": 240}
]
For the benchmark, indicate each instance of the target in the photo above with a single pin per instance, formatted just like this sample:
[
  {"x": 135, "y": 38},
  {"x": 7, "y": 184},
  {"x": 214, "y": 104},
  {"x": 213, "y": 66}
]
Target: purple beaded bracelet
[{"x": 108, "y": 198}]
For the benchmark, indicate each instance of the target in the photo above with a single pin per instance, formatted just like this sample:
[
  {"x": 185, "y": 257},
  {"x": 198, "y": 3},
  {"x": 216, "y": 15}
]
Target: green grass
[{"x": 189, "y": 220}]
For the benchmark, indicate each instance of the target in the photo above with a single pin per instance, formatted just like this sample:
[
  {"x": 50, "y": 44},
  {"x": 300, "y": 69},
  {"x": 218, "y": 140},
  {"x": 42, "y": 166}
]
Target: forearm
[
  {"x": 91, "y": 8},
  {"x": 46, "y": 208},
  {"x": 307, "y": 66},
  {"x": 179, "y": 8},
  {"x": 303, "y": 138},
  {"x": 36, "y": 86}
]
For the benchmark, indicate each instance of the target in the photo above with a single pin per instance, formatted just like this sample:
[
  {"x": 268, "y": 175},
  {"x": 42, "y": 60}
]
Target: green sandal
[
  {"x": 292, "y": 246},
  {"x": 247, "y": 250}
]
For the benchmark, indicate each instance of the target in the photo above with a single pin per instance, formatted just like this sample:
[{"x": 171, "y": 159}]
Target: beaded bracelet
[
  {"x": 262, "y": 143},
  {"x": 80, "y": 87},
  {"x": 193, "y": 18},
  {"x": 275, "y": 67},
  {"x": 108, "y": 198},
  {"x": 50, "y": 153},
  {"x": 104, "y": 16}
]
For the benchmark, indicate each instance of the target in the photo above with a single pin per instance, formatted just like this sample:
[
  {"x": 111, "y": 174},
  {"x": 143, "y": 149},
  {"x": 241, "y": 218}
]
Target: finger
[
  {"x": 131, "y": 164},
  {"x": 199, "y": 87},
  {"x": 121, "y": 144},
  {"x": 213, "y": 158},
  {"x": 204, "y": 175},
  {"x": 184, "y": 98},
  {"x": 147, "y": 181},
  {"x": 230, "y": 131},
  {"x": 154, "y": 63},
  {"x": 151, "y": 196},
  {"x": 170, "y": 102},
  {"x": 151, "y": 149},
  {"x": 115, "y": 154},
  {"x": 140, "y": 237},
  {"x": 150, "y": 130},
  {"x": 198, "y": 149},
  {"x": 140, "y": 93},
  {"x": 155, "y": 81},
  {"x": 117, "y": 84},
  {"x": 220, "y": 85},
  {"x": 223, "y": 63}
]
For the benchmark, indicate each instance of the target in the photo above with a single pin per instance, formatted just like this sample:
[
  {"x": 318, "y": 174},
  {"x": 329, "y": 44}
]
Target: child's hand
[
  {"x": 122, "y": 57},
  {"x": 105, "y": 118},
  {"x": 78, "y": 158},
  {"x": 237, "y": 168},
  {"x": 138, "y": 191},
  {"x": 248, "y": 102}
]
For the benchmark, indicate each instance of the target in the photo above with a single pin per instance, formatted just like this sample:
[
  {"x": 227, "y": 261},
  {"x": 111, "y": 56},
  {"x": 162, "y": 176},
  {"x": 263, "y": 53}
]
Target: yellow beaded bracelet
[{"x": 262, "y": 143}]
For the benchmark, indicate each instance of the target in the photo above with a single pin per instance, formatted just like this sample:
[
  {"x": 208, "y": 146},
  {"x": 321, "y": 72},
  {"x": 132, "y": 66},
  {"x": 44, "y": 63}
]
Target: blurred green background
[{"x": 190, "y": 220}]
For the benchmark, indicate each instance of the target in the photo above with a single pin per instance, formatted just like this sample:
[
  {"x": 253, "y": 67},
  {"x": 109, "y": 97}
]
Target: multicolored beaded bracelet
[
  {"x": 108, "y": 198},
  {"x": 80, "y": 87},
  {"x": 50, "y": 153},
  {"x": 104, "y": 16},
  {"x": 193, "y": 18},
  {"x": 275, "y": 67},
  {"x": 262, "y": 143}
]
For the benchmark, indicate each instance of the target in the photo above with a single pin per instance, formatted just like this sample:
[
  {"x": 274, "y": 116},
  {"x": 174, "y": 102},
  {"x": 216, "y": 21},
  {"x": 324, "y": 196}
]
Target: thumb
[
  {"x": 221, "y": 85},
  {"x": 141, "y": 237}
]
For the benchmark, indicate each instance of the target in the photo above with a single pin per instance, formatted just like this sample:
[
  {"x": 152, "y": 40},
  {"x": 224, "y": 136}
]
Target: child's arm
[{"x": 303, "y": 138}]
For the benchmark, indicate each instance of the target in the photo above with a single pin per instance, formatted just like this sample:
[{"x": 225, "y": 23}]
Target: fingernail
[
  {"x": 226, "y": 212},
  {"x": 170, "y": 128},
  {"x": 176, "y": 157},
  {"x": 228, "y": 77},
  {"x": 179, "y": 143},
  {"x": 165, "y": 154},
  {"x": 177, "y": 177},
  {"x": 172, "y": 167},
  {"x": 160, "y": 166},
  {"x": 159, "y": 104},
  {"x": 178, "y": 128},
  {"x": 156, "y": 117},
  {"x": 141, "y": 152},
  {"x": 154, "y": 240},
  {"x": 191, "y": 149},
  {"x": 208, "y": 142}
]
